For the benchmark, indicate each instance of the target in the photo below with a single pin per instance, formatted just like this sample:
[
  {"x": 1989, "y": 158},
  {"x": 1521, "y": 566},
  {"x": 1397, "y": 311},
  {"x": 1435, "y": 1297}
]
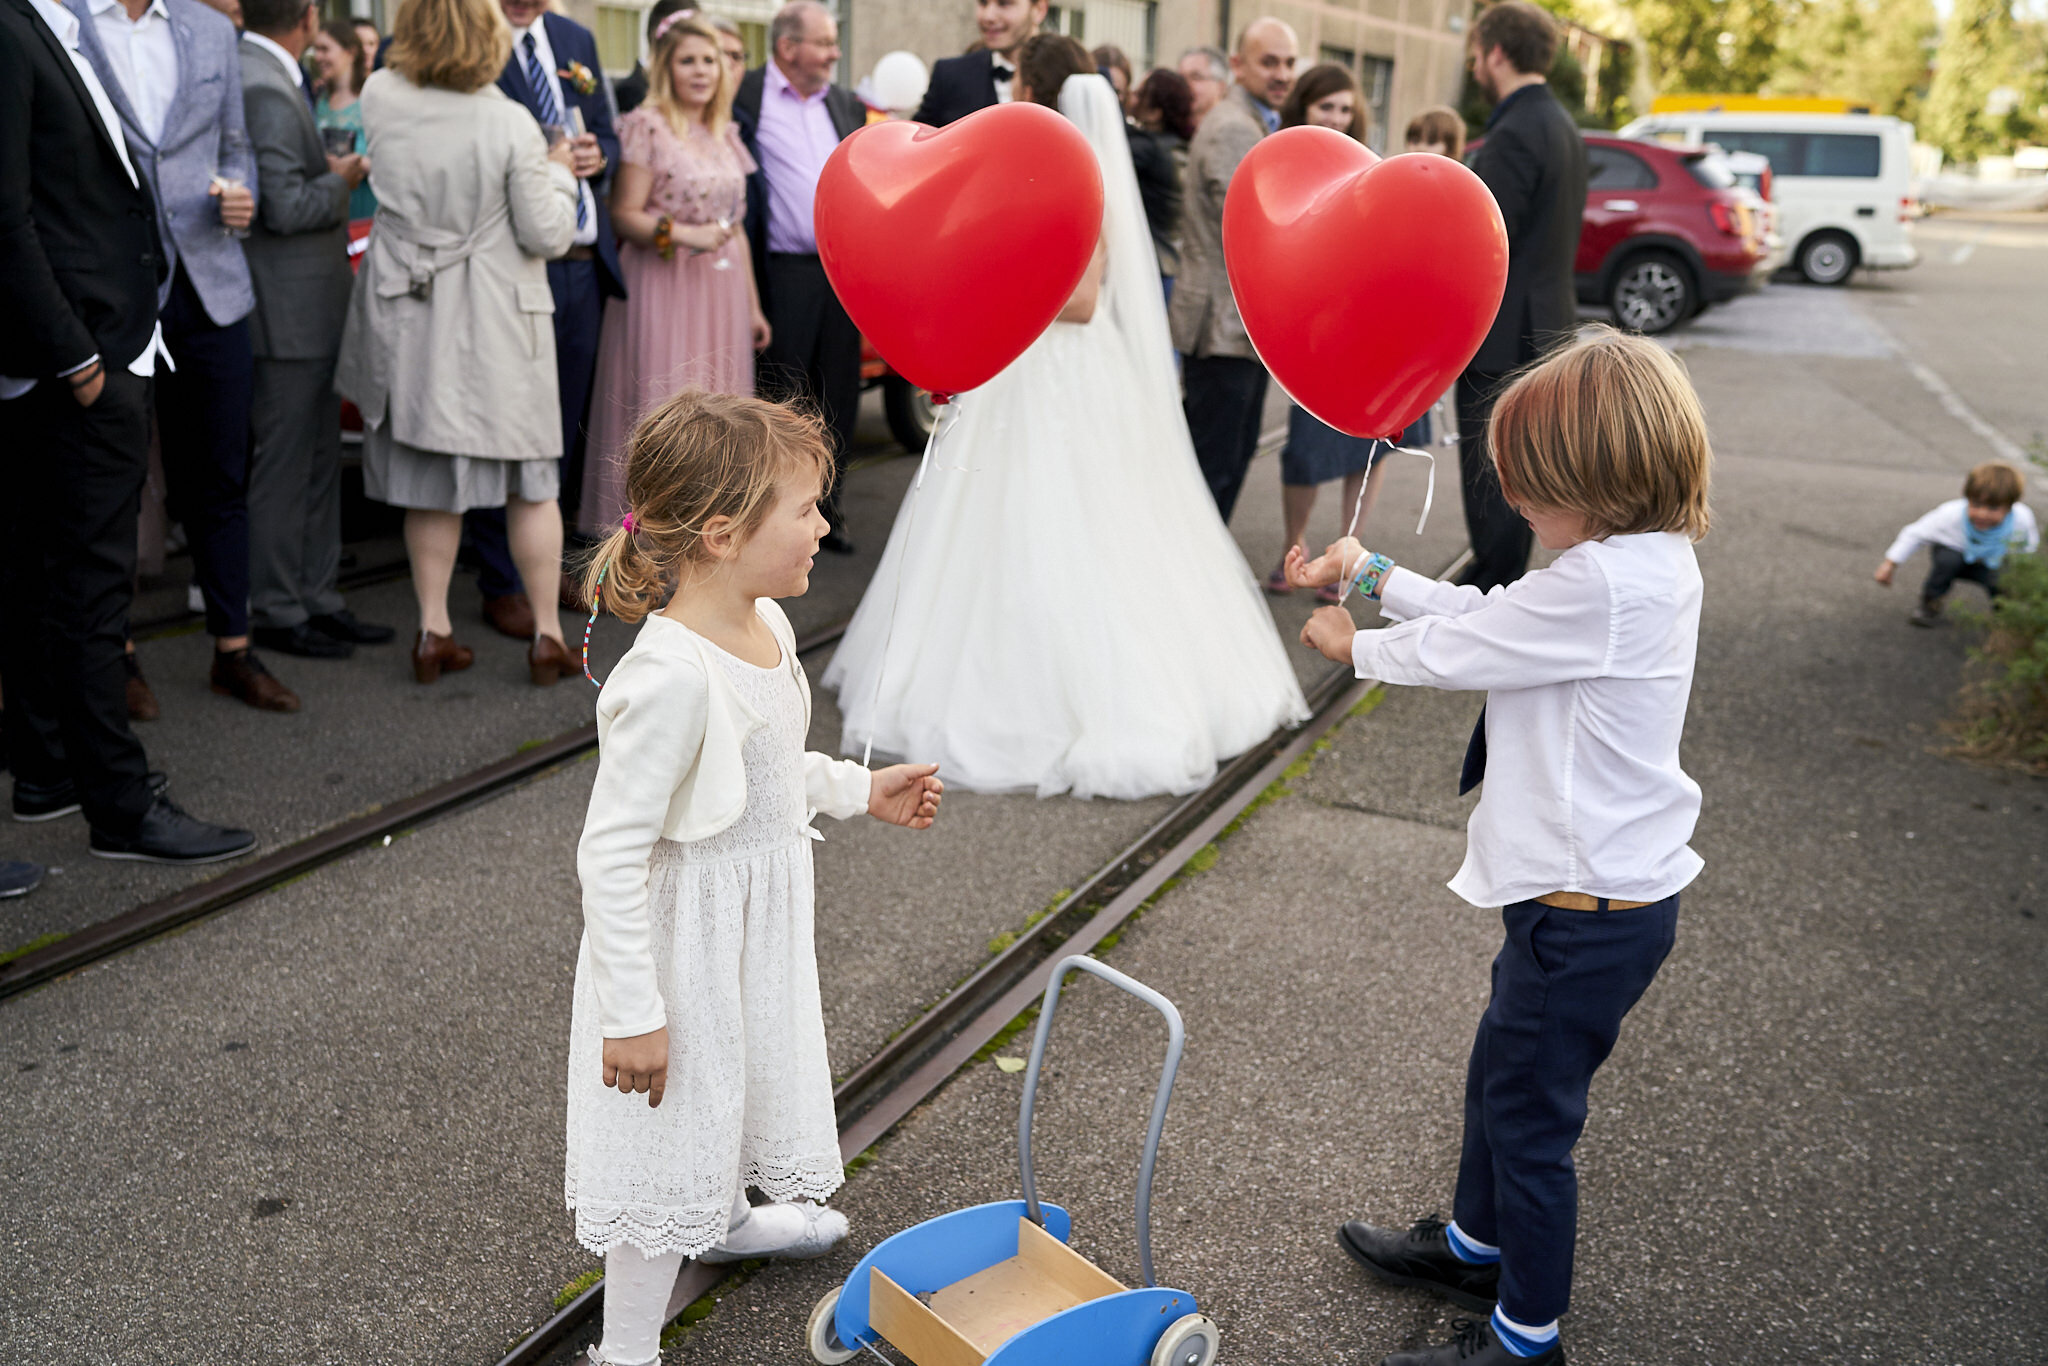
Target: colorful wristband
[{"x": 1372, "y": 572}]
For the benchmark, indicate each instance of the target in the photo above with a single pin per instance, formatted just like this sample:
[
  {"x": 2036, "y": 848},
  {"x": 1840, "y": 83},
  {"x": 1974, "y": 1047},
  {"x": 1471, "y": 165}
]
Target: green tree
[
  {"x": 1872, "y": 52},
  {"x": 1981, "y": 50},
  {"x": 1710, "y": 46}
]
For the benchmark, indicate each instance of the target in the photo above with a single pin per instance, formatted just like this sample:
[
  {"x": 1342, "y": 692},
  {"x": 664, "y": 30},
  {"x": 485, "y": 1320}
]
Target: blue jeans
[{"x": 1561, "y": 984}]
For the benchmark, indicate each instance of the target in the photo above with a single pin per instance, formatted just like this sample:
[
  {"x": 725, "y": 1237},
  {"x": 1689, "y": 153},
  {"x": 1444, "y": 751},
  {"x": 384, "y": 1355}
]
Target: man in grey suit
[
  {"x": 298, "y": 257},
  {"x": 1224, "y": 380},
  {"x": 172, "y": 71}
]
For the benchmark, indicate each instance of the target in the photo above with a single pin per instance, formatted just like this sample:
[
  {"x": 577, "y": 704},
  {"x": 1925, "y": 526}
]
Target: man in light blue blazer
[{"x": 173, "y": 72}]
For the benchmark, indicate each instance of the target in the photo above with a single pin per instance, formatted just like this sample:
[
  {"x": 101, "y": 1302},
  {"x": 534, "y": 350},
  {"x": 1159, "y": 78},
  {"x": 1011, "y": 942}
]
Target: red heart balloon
[
  {"x": 1366, "y": 285},
  {"x": 953, "y": 248}
]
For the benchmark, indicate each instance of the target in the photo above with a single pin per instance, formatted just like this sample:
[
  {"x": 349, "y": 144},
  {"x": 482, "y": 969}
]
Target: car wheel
[
  {"x": 910, "y": 412},
  {"x": 1652, "y": 293},
  {"x": 1827, "y": 258}
]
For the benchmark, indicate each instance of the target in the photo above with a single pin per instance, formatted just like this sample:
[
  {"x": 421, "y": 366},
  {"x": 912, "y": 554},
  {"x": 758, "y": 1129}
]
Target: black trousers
[
  {"x": 202, "y": 419},
  {"x": 1945, "y": 566},
  {"x": 1223, "y": 399},
  {"x": 1500, "y": 538},
  {"x": 579, "y": 317},
  {"x": 70, "y": 493},
  {"x": 1562, "y": 982},
  {"x": 813, "y": 355}
]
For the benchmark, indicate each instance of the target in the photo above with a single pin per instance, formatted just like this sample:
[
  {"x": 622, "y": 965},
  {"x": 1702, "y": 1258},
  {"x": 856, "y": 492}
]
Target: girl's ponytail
[{"x": 622, "y": 578}]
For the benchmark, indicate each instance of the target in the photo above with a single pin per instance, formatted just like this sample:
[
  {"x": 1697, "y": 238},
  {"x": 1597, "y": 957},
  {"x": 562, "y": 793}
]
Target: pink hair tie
[
  {"x": 670, "y": 22},
  {"x": 626, "y": 523}
]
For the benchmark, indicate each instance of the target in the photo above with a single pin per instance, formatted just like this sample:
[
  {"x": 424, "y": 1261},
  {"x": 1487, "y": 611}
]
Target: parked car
[
  {"x": 1753, "y": 173},
  {"x": 1843, "y": 182}
]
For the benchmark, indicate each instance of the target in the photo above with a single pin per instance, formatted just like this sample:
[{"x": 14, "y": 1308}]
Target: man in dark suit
[
  {"x": 79, "y": 292},
  {"x": 1535, "y": 163},
  {"x": 961, "y": 85},
  {"x": 553, "y": 70},
  {"x": 791, "y": 116}
]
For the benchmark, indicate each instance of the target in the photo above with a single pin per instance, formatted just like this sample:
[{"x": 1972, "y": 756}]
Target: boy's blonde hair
[
  {"x": 1995, "y": 484},
  {"x": 1608, "y": 427},
  {"x": 694, "y": 457}
]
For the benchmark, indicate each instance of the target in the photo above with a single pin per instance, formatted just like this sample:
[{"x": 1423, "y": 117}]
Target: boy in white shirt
[
  {"x": 1966, "y": 537},
  {"x": 1580, "y": 835}
]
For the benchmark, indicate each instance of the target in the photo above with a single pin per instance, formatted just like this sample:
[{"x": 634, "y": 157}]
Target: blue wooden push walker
[{"x": 998, "y": 1284}]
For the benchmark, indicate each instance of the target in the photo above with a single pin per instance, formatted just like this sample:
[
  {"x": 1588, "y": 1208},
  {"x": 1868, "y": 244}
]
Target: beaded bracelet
[{"x": 1372, "y": 572}]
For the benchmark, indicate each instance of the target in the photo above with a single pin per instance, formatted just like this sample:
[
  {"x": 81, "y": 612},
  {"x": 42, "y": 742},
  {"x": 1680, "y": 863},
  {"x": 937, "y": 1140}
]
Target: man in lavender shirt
[{"x": 791, "y": 117}]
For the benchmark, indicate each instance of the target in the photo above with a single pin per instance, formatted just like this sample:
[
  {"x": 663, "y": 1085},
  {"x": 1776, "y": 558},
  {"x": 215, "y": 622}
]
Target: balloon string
[
  {"x": 951, "y": 408},
  {"x": 1358, "y": 506},
  {"x": 1429, "y": 494}
]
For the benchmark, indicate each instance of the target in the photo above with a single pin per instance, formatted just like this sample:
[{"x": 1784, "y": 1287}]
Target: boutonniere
[{"x": 580, "y": 76}]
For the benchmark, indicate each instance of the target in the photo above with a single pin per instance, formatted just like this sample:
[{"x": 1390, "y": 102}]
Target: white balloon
[{"x": 899, "y": 81}]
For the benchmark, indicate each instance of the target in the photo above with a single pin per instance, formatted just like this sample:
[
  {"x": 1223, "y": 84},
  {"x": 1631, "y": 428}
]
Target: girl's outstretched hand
[
  {"x": 638, "y": 1064},
  {"x": 906, "y": 794},
  {"x": 1330, "y": 630},
  {"x": 1326, "y": 568}
]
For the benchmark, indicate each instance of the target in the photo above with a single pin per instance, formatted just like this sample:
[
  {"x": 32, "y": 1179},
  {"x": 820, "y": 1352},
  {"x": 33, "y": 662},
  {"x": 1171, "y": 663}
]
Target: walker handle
[{"x": 1176, "y": 1036}]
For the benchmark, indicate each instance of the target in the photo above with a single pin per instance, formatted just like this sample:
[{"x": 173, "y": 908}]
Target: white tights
[{"x": 636, "y": 1292}]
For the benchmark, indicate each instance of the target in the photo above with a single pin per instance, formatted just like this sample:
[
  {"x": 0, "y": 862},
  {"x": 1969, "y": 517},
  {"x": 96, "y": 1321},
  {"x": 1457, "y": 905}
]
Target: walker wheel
[
  {"x": 826, "y": 1348},
  {"x": 1191, "y": 1340}
]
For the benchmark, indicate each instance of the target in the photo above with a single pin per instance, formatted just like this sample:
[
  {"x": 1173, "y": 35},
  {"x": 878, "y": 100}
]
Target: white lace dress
[{"x": 749, "y": 1098}]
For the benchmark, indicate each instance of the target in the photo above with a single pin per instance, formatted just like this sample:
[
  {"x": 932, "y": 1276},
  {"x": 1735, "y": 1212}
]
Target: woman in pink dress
[{"x": 691, "y": 317}]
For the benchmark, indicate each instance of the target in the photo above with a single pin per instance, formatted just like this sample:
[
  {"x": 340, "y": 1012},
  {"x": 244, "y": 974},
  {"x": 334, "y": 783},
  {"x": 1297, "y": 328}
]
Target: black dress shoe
[
  {"x": 1422, "y": 1257},
  {"x": 32, "y": 803},
  {"x": 19, "y": 877},
  {"x": 1475, "y": 1344},
  {"x": 343, "y": 625},
  {"x": 304, "y": 640},
  {"x": 835, "y": 541},
  {"x": 168, "y": 835}
]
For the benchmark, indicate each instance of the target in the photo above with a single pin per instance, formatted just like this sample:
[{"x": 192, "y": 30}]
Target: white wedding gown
[{"x": 1070, "y": 614}]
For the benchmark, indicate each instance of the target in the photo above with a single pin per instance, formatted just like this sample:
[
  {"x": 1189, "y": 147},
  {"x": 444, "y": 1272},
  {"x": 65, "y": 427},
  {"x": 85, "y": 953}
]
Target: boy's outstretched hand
[
  {"x": 906, "y": 794},
  {"x": 1326, "y": 568},
  {"x": 1330, "y": 630},
  {"x": 1884, "y": 573}
]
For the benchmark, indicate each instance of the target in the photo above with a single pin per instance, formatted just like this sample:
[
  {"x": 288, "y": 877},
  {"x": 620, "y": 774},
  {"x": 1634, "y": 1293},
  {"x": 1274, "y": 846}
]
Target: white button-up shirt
[
  {"x": 1587, "y": 666},
  {"x": 544, "y": 53},
  {"x": 144, "y": 55}
]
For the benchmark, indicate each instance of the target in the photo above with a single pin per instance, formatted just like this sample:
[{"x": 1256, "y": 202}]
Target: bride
[{"x": 1070, "y": 615}]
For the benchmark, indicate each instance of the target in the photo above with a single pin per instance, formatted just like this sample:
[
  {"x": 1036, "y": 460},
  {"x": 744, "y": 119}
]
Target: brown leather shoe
[
  {"x": 510, "y": 615},
  {"x": 142, "y": 705},
  {"x": 240, "y": 674},
  {"x": 434, "y": 655},
  {"x": 547, "y": 659}
]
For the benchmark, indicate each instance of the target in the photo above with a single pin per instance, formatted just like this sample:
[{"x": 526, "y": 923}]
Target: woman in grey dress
[{"x": 449, "y": 351}]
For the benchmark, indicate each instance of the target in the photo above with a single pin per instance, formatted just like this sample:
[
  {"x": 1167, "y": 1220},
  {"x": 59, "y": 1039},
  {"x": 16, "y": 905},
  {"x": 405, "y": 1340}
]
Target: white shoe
[{"x": 797, "y": 1231}]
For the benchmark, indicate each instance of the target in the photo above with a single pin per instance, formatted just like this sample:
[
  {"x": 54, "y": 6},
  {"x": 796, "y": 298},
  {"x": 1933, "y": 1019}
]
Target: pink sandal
[{"x": 1276, "y": 582}]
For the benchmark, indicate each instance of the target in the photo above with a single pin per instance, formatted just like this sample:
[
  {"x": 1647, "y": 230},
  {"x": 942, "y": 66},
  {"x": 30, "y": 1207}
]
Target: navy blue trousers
[
  {"x": 579, "y": 313},
  {"x": 202, "y": 420},
  {"x": 1561, "y": 984},
  {"x": 1224, "y": 397}
]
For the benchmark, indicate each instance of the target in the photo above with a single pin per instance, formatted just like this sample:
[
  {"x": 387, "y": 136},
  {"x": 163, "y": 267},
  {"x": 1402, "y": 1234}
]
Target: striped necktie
[{"x": 550, "y": 112}]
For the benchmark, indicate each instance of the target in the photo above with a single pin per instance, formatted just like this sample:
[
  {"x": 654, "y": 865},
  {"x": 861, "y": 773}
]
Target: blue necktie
[{"x": 550, "y": 112}]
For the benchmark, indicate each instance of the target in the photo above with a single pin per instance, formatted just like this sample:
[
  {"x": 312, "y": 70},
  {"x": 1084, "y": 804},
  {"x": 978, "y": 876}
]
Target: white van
[{"x": 1842, "y": 182}]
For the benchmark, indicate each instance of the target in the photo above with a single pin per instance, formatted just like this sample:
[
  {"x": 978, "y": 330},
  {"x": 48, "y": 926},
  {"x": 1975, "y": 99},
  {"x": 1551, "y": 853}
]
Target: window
[
  {"x": 1806, "y": 154},
  {"x": 1610, "y": 168},
  {"x": 1376, "y": 79},
  {"x": 1711, "y": 171},
  {"x": 618, "y": 38}
]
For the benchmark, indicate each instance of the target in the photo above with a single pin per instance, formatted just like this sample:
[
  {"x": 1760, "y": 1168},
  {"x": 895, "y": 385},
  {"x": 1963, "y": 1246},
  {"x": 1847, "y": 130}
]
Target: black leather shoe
[
  {"x": 19, "y": 877},
  {"x": 32, "y": 803},
  {"x": 835, "y": 541},
  {"x": 304, "y": 640},
  {"x": 1422, "y": 1257},
  {"x": 1474, "y": 1344},
  {"x": 343, "y": 625},
  {"x": 168, "y": 835}
]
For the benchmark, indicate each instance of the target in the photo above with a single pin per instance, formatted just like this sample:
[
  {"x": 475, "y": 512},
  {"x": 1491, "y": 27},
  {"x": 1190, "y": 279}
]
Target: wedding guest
[
  {"x": 1438, "y": 130},
  {"x": 171, "y": 69},
  {"x": 1207, "y": 72},
  {"x": 692, "y": 316},
  {"x": 791, "y": 116},
  {"x": 1534, "y": 162},
  {"x": 448, "y": 354},
  {"x": 344, "y": 63},
  {"x": 298, "y": 259},
  {"x": 370, "y": 38},
  {"x": 79, "y": 292},
  {"x": 1116, "y": 69},
  {"x": 1315, "y": 453},
  {"x": 733, "y": 45},
  {"x": 1162, "y": 122},
  {"x": 1225, "y": 382},
  {"x": 553, "y": 72},
  {"x": 983, "y": 77}
]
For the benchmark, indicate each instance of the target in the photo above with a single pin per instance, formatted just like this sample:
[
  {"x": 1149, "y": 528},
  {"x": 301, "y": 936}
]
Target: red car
[{"x": 1667, "y": 231}]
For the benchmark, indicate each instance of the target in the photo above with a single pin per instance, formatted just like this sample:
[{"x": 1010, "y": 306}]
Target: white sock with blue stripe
[
  {"x": 1469, "y": 1249},
  {"x": 1521, "y": 1339}
]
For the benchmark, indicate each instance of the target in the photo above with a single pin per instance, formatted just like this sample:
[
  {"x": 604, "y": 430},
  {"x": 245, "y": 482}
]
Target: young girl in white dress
[{"x": 697, "y": 1059}]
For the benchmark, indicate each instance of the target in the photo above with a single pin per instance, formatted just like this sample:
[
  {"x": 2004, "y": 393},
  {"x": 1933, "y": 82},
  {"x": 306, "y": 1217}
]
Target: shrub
[{"x": 2005, "y": 709}]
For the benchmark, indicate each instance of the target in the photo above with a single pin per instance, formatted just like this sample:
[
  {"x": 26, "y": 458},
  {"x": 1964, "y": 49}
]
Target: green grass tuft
[
  {"x": 41, "y": 941},
  {"x": 568, "y": 1293}
]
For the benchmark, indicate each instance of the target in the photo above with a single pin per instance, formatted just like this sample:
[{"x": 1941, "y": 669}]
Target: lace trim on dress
[
  {"x": 810, "y": 1176},
  {"x": 692, "y": 1230}
]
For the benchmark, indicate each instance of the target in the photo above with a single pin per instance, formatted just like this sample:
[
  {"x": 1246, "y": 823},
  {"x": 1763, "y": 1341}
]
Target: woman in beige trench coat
[{"x": 449, "y": 351}]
